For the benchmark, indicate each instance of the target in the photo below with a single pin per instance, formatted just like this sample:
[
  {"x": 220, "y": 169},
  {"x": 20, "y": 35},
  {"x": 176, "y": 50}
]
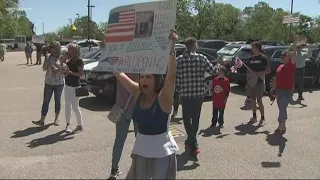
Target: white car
[
  {"x": 84, "y": 45},
  {"x": 86, "y": 70},
  {"x": 91, "y": 56}
]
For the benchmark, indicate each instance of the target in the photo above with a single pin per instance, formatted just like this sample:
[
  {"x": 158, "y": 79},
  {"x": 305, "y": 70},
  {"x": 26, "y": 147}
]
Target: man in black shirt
[
  {"x": 39, "y": 49},
  {"x": 258, "y": 66}
]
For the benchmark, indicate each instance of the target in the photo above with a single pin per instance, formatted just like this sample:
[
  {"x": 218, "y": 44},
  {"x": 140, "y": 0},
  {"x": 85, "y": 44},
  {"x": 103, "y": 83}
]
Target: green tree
[{"x": 12, "y": 21}]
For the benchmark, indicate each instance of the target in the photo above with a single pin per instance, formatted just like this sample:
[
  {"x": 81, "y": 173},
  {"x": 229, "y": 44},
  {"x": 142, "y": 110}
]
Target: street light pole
[
  {"x": 43, "y": 28},
  {"x": 291, "y": 23},
  {"x": 88, "y": 20}
]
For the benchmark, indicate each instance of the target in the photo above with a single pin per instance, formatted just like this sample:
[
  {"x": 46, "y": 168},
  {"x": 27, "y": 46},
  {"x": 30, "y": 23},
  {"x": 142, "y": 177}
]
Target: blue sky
[{"x": 56, "y": 13}]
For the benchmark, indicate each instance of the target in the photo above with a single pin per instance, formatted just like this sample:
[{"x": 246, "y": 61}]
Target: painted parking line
[{"x": 178, "y": 135}]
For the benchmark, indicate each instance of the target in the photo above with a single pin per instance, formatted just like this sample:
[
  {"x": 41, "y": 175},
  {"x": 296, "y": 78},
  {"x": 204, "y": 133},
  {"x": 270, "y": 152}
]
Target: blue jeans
[
  {"x": 47, "y": 94},
  {"x": 283, "y": 99},
  {"x": 122, "y": 128}
]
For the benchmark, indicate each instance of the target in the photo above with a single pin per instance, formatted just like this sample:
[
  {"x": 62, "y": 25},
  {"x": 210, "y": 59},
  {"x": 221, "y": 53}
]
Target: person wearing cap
[
  {"x": 300, "y": 59},
  {"x": 283, "y": 85}
]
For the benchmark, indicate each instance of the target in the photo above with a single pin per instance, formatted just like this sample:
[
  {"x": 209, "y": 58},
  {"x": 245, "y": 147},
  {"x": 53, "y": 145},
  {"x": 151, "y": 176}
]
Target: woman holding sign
[{"x": 154, "y": 151}]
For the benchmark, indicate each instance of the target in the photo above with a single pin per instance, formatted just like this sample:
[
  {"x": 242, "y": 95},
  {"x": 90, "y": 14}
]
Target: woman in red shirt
[{"x": 284, "y": 86}]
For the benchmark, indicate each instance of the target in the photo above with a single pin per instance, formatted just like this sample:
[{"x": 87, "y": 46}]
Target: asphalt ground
[{"x": 237, "y": 151}]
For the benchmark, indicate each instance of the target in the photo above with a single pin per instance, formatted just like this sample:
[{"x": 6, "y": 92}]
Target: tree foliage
[
  {"x": 207, "y": 19},
  {"x": 13, "y": 21}
]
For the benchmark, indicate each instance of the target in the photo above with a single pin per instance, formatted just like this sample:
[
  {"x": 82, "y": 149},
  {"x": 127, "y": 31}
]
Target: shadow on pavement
[
  {"x": 30, "y": 130},
  {"x": 50, "y": 139},
  {"x": 239, "y": 90},
  {"x": 210, "y": 131},
  {"x": 184, "y": 164},
  {"x": 270, "y": 164},
  {"x": 297, "y": 102},
  {"x": 95, "y": 104},
  {"x": 277, "y": 140},
  {"x": 248, "y": 129}
]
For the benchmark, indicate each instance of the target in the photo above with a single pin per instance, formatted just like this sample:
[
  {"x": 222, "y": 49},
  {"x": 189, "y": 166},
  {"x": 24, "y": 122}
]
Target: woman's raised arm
[
  {"x": 167, "y": 92},
  {"x": 129, "y": 84}
]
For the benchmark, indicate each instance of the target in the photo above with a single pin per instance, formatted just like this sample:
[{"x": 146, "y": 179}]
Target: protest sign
[
  {"x": 38, "y": 39},
  {"x": 137, "y": 38}
]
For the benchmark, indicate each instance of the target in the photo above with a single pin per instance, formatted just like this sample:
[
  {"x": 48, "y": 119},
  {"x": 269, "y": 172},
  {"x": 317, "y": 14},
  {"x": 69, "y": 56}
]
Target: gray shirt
[
  {"x": 301, "y": 58},
  {"x": 53, "y": 77}
]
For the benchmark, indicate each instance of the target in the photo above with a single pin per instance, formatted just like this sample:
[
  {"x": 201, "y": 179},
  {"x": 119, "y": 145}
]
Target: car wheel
[
  {"x": 9, "y": 48},
  {"x": 207, "y": 87},
  {"x": 270, "y": 82}
]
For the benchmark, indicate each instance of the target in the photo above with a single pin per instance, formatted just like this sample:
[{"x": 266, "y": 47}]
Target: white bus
[
  {"x": 21, "y": 41},
  {"x": 9, "y": 43}
]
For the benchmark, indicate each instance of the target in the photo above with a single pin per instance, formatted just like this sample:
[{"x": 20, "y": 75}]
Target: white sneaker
[
  {"x": 56, "y": 122},
  {"x": 77, "y": 129},
  {"x": 68, "y": 129}
]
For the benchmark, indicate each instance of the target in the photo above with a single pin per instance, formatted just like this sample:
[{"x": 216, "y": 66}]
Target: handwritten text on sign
[{"x": 137, "y": 38}]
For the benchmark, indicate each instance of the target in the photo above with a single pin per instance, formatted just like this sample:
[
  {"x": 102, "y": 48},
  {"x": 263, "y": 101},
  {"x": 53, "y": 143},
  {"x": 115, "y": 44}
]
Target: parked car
[
  {"x": 263, "y": 42},
  {"x": 84, "y": 45},
  {"x": 103, "y": 84},
  {"x": 91, "y": 56},
  {"x": 273, "y": 53},
  {"x": 226, "y": 55},
  {"x": 212, "y": 44},
  {"x": 86, "y": 70}
]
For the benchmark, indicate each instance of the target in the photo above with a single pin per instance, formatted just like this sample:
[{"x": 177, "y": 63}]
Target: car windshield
[
  {"x": 244, "y": 54},
  {"x": 90, "y": 54},
  {"x": 228, "y": 50}
]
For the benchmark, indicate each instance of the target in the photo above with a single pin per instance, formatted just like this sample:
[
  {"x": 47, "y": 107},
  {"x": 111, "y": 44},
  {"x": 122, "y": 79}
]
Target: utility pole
[
  {"x": 43, "y": 28},
  {"x": 291, "y": 23},
  {"x": 89, "y": 19},
  {"x": 78, "y": 15}
]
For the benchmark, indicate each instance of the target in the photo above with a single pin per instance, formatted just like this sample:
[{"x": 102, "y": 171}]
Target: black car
[
  {"x": 273, "y": 53},
  {"x": 103, "y": 84},
  {"x": 212, "y": 44}
]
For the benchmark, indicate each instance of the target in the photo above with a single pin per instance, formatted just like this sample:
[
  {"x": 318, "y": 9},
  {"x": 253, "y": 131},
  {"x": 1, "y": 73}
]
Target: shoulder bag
[
  {"x": 82, "y": 91},
  {"x": 117, "y": 111}
]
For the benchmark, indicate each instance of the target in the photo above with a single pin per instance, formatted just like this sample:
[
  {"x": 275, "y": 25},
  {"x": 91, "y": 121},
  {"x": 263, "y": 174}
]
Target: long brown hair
[{"x": 158, "y": 82}]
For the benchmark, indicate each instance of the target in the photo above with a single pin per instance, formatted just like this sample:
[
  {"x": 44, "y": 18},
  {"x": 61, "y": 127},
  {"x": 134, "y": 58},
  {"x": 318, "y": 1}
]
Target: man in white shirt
[{"x": 300, "y": 67}]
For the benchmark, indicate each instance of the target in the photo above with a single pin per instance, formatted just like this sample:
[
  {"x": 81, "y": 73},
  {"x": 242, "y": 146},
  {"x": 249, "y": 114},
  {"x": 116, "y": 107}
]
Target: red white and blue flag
[
  {"x": 121, "y": 27},
  {"x": 238, "y": 64}
]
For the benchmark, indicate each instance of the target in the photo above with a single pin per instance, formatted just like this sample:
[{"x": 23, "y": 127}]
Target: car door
[
  {"x": 276, "y": 60},
  {"x": 311, "y": 69}
]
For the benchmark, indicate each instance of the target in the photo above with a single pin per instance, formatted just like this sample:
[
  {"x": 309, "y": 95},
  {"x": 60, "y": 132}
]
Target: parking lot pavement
[{"x": 236, "y": 151}]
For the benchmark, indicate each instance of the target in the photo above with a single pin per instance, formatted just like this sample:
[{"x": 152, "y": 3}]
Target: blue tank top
[{"x": 151, "y": 121}]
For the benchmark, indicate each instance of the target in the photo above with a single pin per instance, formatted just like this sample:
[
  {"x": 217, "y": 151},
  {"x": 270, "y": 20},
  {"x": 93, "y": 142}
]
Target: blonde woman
[
  {"x": 73, "y": 72},
  {"x": 54, "y": 82}
]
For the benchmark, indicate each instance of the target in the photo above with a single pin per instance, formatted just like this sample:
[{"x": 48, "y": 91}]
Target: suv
[
  {"x": 103, "y": 84},
  {"x": 212, "y": 44},
  {"x": 226, "y": 55},
  {"x": 274, "y": 54}
]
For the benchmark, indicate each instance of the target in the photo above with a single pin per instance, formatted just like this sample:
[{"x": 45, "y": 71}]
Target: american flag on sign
[
  {"x": 112, "y": 60},
  {"x": 121, "y": 27},
  {"x": 238, "y": 64}
]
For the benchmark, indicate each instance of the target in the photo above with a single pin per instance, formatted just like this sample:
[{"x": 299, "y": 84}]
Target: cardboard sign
[
  {"x": 137, "y": 38},
  {"x": 38, "y": 39}
]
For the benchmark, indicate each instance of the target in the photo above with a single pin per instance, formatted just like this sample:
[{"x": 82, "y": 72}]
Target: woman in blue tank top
[{"x": 154, "y": 151}]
